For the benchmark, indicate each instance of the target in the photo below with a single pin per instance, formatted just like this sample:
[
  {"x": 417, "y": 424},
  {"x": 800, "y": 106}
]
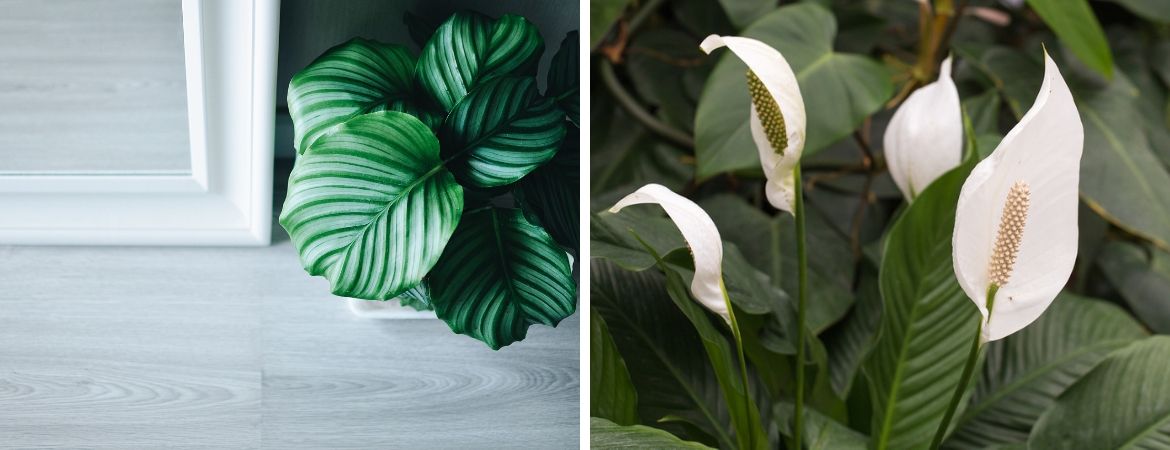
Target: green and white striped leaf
[
  {"x": 564, "y": 78},
  {"x": 418, "y": 297},
  {"x": 1123, "y": 403},
  {"x": 470, "y": 49},
  {"x": 1025, "y": 372},
  {"x": 500, "y": 132},
  {"x": 370, "y": 206},
  {"x": 351, "y": 79},
  {"x": 550, "y": 195},
  {"x": 500, "y": 274},
  {"x": 926, "y": 326}
]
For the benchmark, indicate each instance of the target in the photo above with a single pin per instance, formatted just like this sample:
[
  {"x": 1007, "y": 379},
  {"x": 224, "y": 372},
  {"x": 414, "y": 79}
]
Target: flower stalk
[
  {"x": 801, "y": 295},
  {"x": 965, "y": 378}
]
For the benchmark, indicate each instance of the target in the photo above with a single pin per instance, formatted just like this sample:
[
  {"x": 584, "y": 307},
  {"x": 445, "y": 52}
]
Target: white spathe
[
  {"x": 777, "y": 76},
  {"x": 1044, "y": 152},
  {"x": 702, "y": 237},
  {"x": 924, "y": 139}
]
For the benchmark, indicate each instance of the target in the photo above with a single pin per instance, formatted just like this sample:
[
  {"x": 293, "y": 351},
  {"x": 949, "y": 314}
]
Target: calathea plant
[{"x": 446, "y": 181}]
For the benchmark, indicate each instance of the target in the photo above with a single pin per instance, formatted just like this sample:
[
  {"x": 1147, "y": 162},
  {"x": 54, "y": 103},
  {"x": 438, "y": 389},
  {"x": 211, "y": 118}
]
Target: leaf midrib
[{"x": 390, "y": 204}]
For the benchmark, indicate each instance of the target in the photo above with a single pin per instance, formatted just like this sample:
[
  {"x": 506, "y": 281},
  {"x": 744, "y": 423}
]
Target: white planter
[{"x": 372, "y": 309}]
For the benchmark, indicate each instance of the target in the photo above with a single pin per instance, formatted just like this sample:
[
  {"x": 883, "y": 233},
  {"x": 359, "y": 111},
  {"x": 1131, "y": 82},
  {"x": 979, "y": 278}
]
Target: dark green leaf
[
  {"x": 1124, "y": 402},
  {"x": 743, "y": 12},
  {"x": 839, "y": 90},
  {"x": 927, "y": 324},
  {"x": 1025, "y": 372},
  {"x": 500, "y": 132},
  {"x": 820, "y": 431},
  {"x": 850, "y": 341},
  {"x": 1142, "y": 275},
  {"x": 349, "y": 80},
  {"x": 564, "y": 78},
  {"x": 612, "y": 394},
  {"x": 550, "y": 195},
  {"x": 1076, "y": 26},
  {"x": 500, "y": 274},
  {"x": 418, "y": 297},
  {"x": 1154, "y": 10},
  {"x": 370, "y": 206},
  {"x": 604, "y": 434},
  {"x": 470, "y": 49},
  {"x": 610, "y": 237},
  {"x": 661, "y": 349}
]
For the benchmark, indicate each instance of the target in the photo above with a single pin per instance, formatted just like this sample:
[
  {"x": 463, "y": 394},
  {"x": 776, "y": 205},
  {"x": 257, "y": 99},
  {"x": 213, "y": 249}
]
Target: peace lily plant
[{"x": 446, "y": 181}]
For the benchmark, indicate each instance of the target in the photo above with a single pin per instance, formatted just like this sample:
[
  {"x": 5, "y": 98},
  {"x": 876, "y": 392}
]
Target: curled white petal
[
  {"x": 777, "y": 76},
  {"x": 701, "y": 235},
  {"x": 925, "y": 137},
  {"x": 1043, "y": 151}
]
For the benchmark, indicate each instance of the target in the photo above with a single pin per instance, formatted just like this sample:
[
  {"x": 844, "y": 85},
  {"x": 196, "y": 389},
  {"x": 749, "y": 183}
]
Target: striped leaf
[
  {"x": 564, "y": 78},
  {"x": 500, "y": 132},
  {"x": 349, "y": 80},
  {"x": 549, "y": 196},
  {"x": 500, "y": 274},
  {"x": 470, "y": 49},
  {"x": 370, "y": 206}
]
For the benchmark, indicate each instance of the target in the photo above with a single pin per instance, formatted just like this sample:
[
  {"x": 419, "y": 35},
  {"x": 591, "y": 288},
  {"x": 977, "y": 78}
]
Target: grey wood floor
[{"x": 114, "y": 347}]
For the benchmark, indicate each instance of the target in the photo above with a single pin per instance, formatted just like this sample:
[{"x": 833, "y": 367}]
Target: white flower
[
  {"x": 925, "y": 137},
  {"x": 701, "y": 236},
  {"x": 777, "y": 113},
  {"x": 1016, "y": 223}
]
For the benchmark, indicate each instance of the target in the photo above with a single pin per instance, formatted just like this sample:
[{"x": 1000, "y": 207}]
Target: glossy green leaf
[
  {"x": 349, "y": 80},
  {"x": 612, "y": 394},
  {"x": 927, "y": 323},
  {"x": 550, "y": 196},
  {"x": 1142, "y": 275},
  {"x": 499, "y": 275},
  {"x": 820, "y": 431},
  {"x": 1122, "y": 403},
  {"x": 839, "y": 90},
  {"x": 564, "y": 78},
  {"x": 370, "y": 206},
  {"x": 1025, "y": 372},
  {"x": 500, "y": 132},
  {"x": 470, "y": 49},
  {"x": 1076, "y": 26},
  {"x": 604, "y": 434},
  {"x": 662, "y": 351}
]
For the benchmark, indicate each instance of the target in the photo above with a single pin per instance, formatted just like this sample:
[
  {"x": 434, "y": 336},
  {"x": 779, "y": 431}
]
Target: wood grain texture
[
  {"x": 92, "y": 86},
  {"x": 239, "y": 348}
]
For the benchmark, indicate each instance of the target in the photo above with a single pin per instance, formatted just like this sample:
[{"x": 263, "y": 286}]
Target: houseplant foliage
[
  {"x": 894, "y": 315},
  {"x": 445, "y": 181}
]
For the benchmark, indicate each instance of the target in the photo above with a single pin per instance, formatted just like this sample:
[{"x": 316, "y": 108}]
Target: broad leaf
[
  {"x": 550, "y": 196},
  {"x": 1076, "y": 26},
  {"x": 1152, "y": 10},
  {"x": 743, "y": 12},
  {"x": 500, "y": 274},
  {"x": 612, "y": 394},
  {"x": 349, "y": 80},
  {"x": 564, "y": 78},
  {"x": 927, "y": 323},
  {"x": 839, "y": 90},
  {"x": 662, "y": 350},
  {"x": 1142, "y": 275},
  {"x": 849, "y": 342},
  {"x": 470, "y": 49},
  {"x": 370, "y": 206},
  {"x": 610, "y": 237},
  {"x": 1025, "y": 372},
  {"x": 1124, "y": 402},
  {"x": 604, "y": 434},
  {"x": 500, "y": 132},
  {"x": 820, "y": 431}
]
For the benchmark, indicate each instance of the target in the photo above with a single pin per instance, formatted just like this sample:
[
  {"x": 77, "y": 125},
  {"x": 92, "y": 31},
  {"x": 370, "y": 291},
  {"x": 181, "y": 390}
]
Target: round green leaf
[
  {"x": 839, "y": 90},
  {"x": 349, "y": 80},
  {"x": 564, "y": 78},
  {"x": 500, "y": 132},
  {"x": 370, "y": 206},
  {"x": 1122, "y": 403},
  {"x": 1025, "y": 372},
  {"x": 471, "y": 48},
  {"x": 500, "y": 274}
]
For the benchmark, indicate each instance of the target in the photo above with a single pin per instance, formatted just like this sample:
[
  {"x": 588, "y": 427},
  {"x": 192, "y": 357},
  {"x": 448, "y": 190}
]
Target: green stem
[
  {"x": 801, "y": 294},
  {"x": 742, "y": 361},
  {"x": 965, "y": 378},
  {"x": 634, "y": 108}
]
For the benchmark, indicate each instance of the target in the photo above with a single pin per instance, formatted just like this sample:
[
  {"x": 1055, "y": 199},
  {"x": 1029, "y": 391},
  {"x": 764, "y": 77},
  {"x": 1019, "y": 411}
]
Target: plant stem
[
  {"x": 965, "y": 378},
  {"x": 801, "y": 293},
  {"x": 742, "y": 361},
  {"x": 631, "y": 106}
]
